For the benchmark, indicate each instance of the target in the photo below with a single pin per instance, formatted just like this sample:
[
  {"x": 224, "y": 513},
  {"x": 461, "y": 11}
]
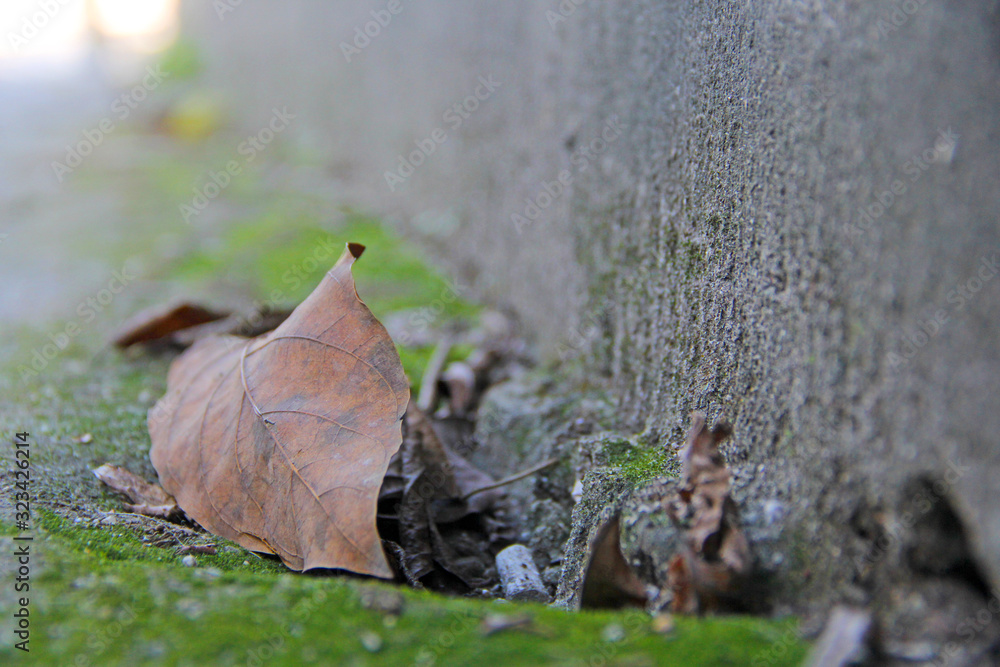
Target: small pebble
[
  {"x": 662, "y": 624},
  {"x": 371, "y": 641},
  {"x": 189, "y": 561},
  {"x": 519, "y": 576},
  {"x": 613, "y": 632},
  {"x": 774, "y": 511},
  {"x": 494, "y": 623},
  {"x": 383, "y": 601}
]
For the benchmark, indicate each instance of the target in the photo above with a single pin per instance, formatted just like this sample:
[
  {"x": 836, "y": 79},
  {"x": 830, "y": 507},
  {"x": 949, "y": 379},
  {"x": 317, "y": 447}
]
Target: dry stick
[
  {"x": 428, "y": 383},
  {"x": 513, "y": 478}
]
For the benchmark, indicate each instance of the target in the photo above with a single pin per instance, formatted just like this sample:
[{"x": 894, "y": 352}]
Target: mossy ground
[
  {"x": 105, "y": 601},
  {"x": 101, "y": 592}
]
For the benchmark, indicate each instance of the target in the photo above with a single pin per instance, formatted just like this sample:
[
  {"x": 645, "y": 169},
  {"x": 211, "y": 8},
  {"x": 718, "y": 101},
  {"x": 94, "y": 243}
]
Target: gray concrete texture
[{"x": 709, "y": 252}]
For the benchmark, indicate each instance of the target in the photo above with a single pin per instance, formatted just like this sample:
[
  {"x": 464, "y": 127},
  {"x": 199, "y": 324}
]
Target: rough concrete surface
[{"x": 709, "y": 253}]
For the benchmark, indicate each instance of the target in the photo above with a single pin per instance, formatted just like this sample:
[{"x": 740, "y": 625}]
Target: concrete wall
[{"x": 709, "y": 253}]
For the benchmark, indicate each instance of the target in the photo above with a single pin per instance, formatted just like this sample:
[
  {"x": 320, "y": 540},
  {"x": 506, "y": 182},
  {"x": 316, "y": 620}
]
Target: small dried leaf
[
  {"x": 168, "y": 512},
  {"x": 679, "y": 578},
  {"x": 253, "y": 323},
  {"x": 430, "y": 480},
  {"x": 609, "y": 582},
  {"x": 711, "y": 569},
  {"x": 159, "y": 322},
  {"x": 206, "y": 549},
  {"x": 135, "y": 488}
]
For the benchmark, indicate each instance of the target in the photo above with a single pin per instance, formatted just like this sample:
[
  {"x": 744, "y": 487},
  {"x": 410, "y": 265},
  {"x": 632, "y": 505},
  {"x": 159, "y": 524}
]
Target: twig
[
  {"x": 165, "y": 523},
  {"x": 513, "y": 478},
  {"x": 429, "y": 381}
]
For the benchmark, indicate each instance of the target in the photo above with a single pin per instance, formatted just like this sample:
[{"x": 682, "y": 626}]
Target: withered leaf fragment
[
  {"x": 427, "y": 478},
  {"x": 709, "y": 572},
  {"x": 147, "y": 499},
  {"x": 280, "y": 443},
  {"x": 445, "y": 540},
  {"x": 248, "y": 324},
  {"x": 159, "y": 322},
  {"x": 609, "y": 582},
  {"x": 181, "y": 326}
]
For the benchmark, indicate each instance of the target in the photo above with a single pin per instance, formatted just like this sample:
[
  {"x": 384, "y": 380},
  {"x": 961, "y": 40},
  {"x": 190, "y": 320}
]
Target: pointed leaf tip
[{"x": 281, "y": 443}]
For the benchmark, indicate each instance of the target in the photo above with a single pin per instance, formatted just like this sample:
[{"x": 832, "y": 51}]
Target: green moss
[
  {"x": 637, "y": 464},
  {"x": 714, "y": 223},
  {"x": 672, "y": 240},
  {"x": 694, "y": 258},
  {"x": 90, "y": 609},
  {"x": 125, "y": 542}
]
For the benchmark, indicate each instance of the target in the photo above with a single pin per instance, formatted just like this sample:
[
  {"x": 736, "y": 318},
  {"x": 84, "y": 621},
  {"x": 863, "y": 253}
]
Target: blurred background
[{"x": 214, "y": 144}]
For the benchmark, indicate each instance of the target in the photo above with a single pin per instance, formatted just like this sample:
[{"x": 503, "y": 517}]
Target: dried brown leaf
[
  {"x": 712, "y": 568},
  {"x": 680, "y": 580},
  {"x": 280, "y": 443},
  {"x": 430, "y": 481},
  {"x": 256, "y": 322},
  {"x": 159, "y": 322},
  {"x": 147, "y": 499},
  {"x": 609, "y": 582},
  {"x": 204, "y": 549}
]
